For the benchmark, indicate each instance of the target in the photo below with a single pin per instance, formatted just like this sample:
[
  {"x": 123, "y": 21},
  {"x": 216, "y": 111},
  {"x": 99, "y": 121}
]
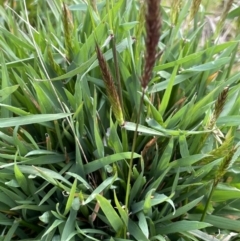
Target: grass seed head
[
  {"x": 153, "y": 26},
  {"x": 68, "y": 29},
  {"x": 225, "y": 164},
  {"x": 220, "y": 102},
  {"x": 176, "y": 6},
  {"x": 194, "y": 8},
  {"x": 52, "y": 62},
  {"x": 110, "y": 87}
]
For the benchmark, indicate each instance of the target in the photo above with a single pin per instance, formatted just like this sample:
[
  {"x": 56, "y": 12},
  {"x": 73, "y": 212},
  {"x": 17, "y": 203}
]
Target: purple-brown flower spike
[
  {"x": 153, "y": 27},
  {"x": 110, "y": 87}
]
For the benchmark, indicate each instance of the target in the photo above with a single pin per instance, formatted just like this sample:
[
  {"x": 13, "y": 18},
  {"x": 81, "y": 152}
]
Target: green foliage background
[{"x": 65, "y": 162}]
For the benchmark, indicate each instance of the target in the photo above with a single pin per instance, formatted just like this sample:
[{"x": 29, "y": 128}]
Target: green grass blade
[
  {"x": 31, "y": 119},
  {"x": 99, "y": 163},
  {"x": 182, "y": 226},
  {"x": 111, "y": 215}
]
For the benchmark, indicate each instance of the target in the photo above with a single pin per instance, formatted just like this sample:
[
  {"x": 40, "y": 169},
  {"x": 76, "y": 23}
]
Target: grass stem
[{"x": 132, "y": 152}]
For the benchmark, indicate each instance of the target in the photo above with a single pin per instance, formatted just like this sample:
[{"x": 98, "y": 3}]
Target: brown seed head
[
  {"x": 153, "y": 26},
  {"x": 220, "y": 103},
  {"x": 110, "y": 87}
]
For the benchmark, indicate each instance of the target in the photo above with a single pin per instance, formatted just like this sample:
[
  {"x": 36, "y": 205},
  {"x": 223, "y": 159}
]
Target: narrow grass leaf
[
  {"x": 155, "y": 113},
  {"x": 142, "y": 223},
  {"x": 53, "y": 226},
  {"x": 104, "y": 185},
  {"x": 39, "y": 170},
  {"x": 79, "y": 178},
  {"x": 130, "y": 126},
  {"x": 233, "y": 120},
  {"x": 181, "y": 211},
  {"x": 157, "y": 199},
  {"x": 203, "y": 236},
  {"x": 15, "y": 110},
  {"x": 11, "y": 232},
  {"x": 121, "y": 210},
  {"x": 137, "y": 187},
  {"x": 31, "y": 119},
  {"x": 21, "y": 179},
  {"x": 114, "y": 139},
  {"x": 182, "y": 226},
  {"x": 225, "y": 192},
  {"x": 16, "y": 40},
  {"x": 43, "y": 208},
  {"x": 70, "y": 198},
  {"x": 234, "y": 13},
  {"x": 40, "y": 152},
  {"x": 188, "y": 235},
  {"x": 147, "y": 205},
  {"x": 5, "y": 220},
  {"x": 111, "y": 215},
  {"x": 48, "y": 195},
  {"x": 187, "y": 161},
  {"x": 219, "y": 222},
  {"x": 99, "y": 163},
  {"x": 196, "y": 57},
  {"x": 19, "y": 63},
  {"x": 7, "y": 91},
  {"x": 68, "y": 230},
  {"x": 159, "y": 178},
  {"x": 165, "y": 157},
  {"x": 98, "y": 140},
  {"x": 167, "y": 93},
  {"x": 183, "y": 146},
  {"x": 135, "y": 231},
  {"x": 5, "y": 83},
  {"x": 164, "y": 84},
  {"x": 216, "y": 64}
]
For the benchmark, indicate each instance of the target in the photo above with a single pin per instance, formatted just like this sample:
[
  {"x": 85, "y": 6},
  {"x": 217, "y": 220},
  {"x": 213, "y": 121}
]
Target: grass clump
[{"x": 119, "y": 121}]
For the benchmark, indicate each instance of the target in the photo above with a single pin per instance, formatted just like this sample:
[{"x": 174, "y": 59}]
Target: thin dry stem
[{"x": 153, "y": 26}]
